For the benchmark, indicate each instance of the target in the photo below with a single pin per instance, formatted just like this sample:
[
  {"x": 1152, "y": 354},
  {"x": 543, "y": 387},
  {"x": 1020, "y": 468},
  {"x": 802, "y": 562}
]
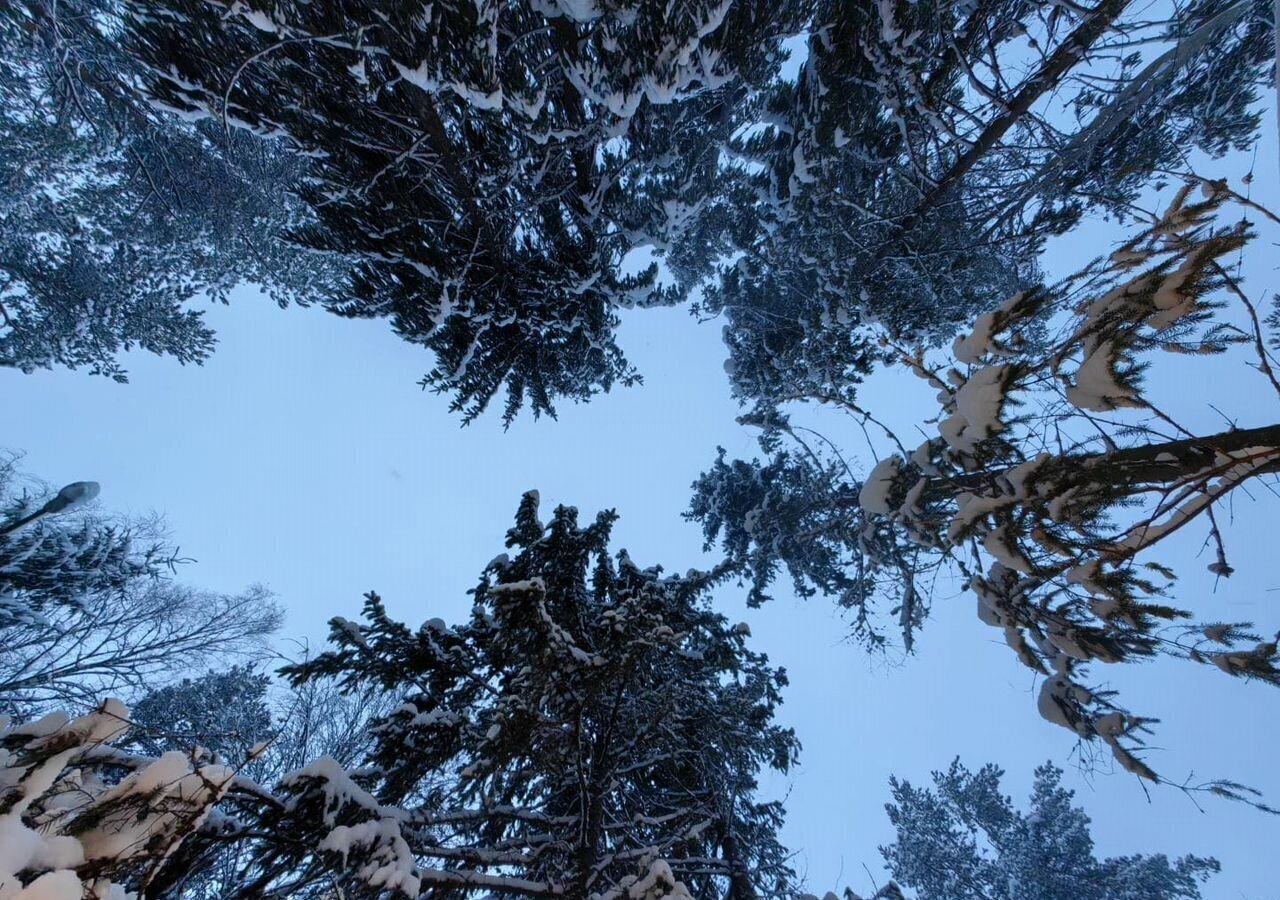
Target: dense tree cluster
[
  {"x": 493, "y": 169},
  {"x": 963, "y": 839},
  {"x": 845, "y": 185},
  {"x": 114, "y": 217},
  {"x": 909, "y": 175},
  {"x": 490, "y": 167},
  {"x": 595, "y": 730}
]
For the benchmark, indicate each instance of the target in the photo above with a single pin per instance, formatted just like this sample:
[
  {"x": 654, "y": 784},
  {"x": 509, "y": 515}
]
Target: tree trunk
[
  {"x": 1153, "y": 463},
  {"x": 740, "y": 886},
  {"x": 1145, "y": 464},
  {"x": 1157, "y": 463}
]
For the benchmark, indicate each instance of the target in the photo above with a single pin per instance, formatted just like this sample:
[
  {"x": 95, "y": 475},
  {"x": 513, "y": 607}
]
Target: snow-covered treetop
[
  {"x": 906, "y": 180},
  {"x": 594, "y": 730},
  {"x": 963, "y": 838},
  {"x": 490, "y": 166},
  {"x": 116, "y": 216},
  {"x": 86, "y": 609}
]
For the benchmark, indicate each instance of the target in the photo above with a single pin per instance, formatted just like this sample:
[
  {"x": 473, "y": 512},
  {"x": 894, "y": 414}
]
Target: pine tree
[
  {"x": 115, "y": 216},
  {"x": 907, "y": 178},
  {"x": 81, "y": 818},
  {"x": 492, "y": 167},
  {"x": 594, "y": 730},
  {"x": 1054, "y": 480},
  {"x": 963, "y": 839}
]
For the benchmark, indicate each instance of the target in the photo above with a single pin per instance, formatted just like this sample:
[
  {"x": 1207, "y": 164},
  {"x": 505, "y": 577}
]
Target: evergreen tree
[
  {"x": 114, "y": 215},
  {"x": 963, "y": 839},
  {"x": 81, "y": 818},
  {"x": 491, "y": 166},
  {"x": 593, "y": 730},
  {"x": 225, "y": 712},
  {"x": 907, "y": 178},
  {"x": 237, "y": 717},
  {"x": 1053, "y": 483}
]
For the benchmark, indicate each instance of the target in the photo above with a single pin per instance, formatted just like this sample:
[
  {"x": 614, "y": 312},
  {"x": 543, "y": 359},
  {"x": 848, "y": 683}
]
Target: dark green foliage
[
  {"x": 781, "y": 515},
  {"x": 908, "y": 177},
  {"x": 591, "y": 719},
  {"x": 490, "y": 166}
]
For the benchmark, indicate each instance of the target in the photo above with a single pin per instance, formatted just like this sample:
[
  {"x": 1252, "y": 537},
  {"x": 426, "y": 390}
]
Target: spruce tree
[
  {"x": 490, "y": 166},
  {"x": 116, "y": 216},
  {"x": 594, "y": 730},
  {"x": 908, "y": 177},
  {"x": 51, "y": 559}
]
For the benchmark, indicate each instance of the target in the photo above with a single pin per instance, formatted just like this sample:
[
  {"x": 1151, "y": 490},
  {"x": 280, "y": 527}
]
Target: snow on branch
[
  {"x": 72, "y": 827},
  {"x": 1055, "y": 474}
]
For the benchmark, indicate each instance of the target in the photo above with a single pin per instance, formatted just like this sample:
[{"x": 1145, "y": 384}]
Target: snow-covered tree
[
  {"x": 115, "y": 216},
  {"x": 1054, "y": 479},
  {"x": 238, "y": 717},
  {"x": 963, "y": 839},
  {"x": 491, "y": 166},
  {"x": 907, "y": 178},
  {"x": 85, "y": 611},
  {"x": 595, "y": 730},
  {"x": 81, "y": 819},
  {"x": 227, "y": 712},
  {"x": 49, "y": 557}
]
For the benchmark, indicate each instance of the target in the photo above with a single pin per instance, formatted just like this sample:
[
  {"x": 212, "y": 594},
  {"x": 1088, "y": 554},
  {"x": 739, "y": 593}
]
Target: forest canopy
[{"x": 845, "y": 190}]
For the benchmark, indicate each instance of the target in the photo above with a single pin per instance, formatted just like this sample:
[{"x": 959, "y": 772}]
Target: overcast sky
[{"x": 303, "y": 456}]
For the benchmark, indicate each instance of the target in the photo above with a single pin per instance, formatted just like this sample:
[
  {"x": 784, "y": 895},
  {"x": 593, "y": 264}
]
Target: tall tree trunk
[{"x": 740, "y": 886}]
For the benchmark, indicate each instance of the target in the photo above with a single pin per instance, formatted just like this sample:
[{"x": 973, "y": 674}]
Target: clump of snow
[
  {"x": 972, "y": 347},
  {"x": 1217, "y": 633},
  {"x": 978, "y": 403},
  {"x": 657, "y": 882},
  {"x": 1097, "y": 388},
  {"x": 335, "y": 785},
  {"x": 874, "y": 494},
  {"x": 387, "y": 862},
  {"x": 1172, "y": 299}
]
